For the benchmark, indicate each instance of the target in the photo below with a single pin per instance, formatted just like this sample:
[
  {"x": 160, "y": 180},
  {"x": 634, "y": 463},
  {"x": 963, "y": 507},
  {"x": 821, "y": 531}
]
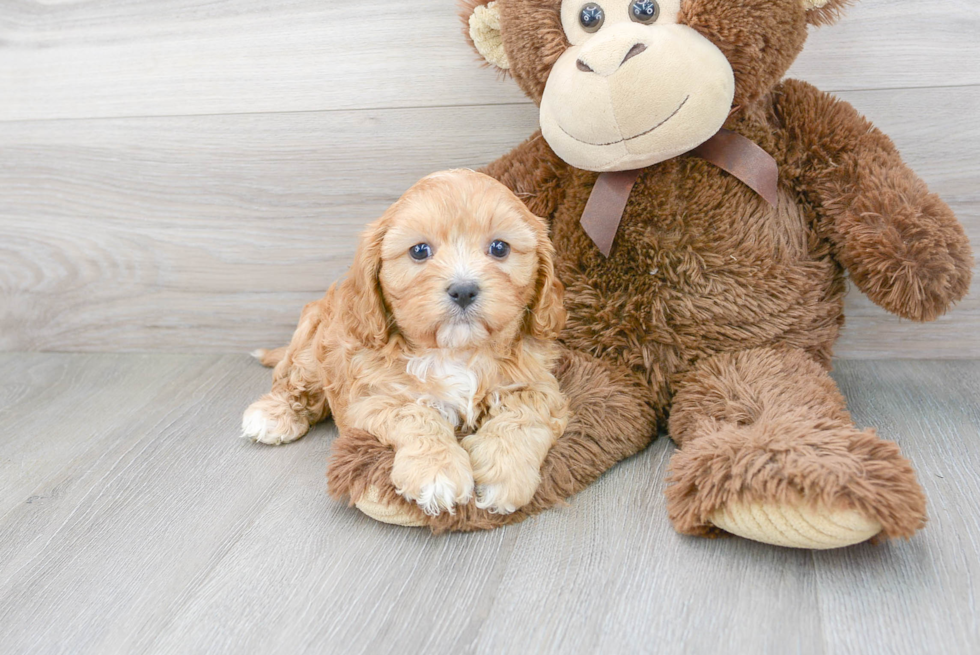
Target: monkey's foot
[
  {"x": 796, "y": 526},
  {"x": 371, "y": 504}
]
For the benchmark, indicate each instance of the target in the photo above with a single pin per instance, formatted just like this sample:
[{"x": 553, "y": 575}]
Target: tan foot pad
[
  {"x": 370, "y": 503},
  {"x": 796, "y": 527}
]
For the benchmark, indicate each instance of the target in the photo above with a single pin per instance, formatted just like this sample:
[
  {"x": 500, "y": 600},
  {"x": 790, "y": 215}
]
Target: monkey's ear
[
  {"x": 482, "y": 28},
  {"x": 824, "y": 12}
]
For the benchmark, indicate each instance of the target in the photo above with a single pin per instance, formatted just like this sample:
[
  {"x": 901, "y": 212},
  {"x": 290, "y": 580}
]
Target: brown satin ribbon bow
[{"x": 729, "y": 151}]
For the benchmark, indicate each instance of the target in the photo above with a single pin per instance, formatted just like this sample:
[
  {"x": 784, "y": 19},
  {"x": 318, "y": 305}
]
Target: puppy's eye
[
  {"x": 499, "y": 249},
  {"x": 420, "y": 252},
  {"x": 644, "y": 11},
  {"x": 591, "y": 17}
]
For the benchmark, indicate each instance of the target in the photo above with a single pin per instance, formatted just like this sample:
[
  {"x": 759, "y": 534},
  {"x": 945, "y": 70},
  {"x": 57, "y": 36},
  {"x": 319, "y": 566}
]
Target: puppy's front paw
[
  {"x": 272, "y": 421},
  {"x": 504, "y": 483},
  {"x": 497, "y": 499},
  {"x": 505, "y": 496},
  {"x": 436, "y": 480}
]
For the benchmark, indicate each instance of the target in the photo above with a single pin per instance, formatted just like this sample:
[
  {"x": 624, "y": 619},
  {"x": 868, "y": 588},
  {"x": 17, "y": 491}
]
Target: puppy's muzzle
[{"x": 463, "y": 293}]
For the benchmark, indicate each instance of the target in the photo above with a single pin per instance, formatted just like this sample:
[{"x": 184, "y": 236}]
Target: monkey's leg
[{"x": 768, "y": 451}]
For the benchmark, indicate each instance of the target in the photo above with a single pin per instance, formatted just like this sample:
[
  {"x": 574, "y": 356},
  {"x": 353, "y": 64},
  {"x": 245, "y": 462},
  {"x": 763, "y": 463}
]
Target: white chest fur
[{"x": 449, "y": 381}]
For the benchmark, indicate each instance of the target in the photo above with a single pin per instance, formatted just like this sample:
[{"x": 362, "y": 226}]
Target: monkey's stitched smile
[{"x": 629, "y": 138}]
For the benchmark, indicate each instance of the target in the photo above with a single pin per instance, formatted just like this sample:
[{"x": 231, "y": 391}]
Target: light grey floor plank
[
  {"x": 146, "y": 515},
  {"x": 329, "y": 579},
  {"x": 62, "y": 408},
  {"x": 623, "y": 581},
  {"x": 933, "y": 412},
  {"x": 164, "y": 534}
]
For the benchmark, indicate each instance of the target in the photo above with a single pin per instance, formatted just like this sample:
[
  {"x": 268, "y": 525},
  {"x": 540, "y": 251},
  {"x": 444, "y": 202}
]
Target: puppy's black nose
[{"x": 463, "y": 293}]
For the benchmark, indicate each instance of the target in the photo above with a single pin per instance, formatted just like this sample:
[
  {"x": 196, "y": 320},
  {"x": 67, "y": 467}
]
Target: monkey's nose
[
  {"x": 634, "y": 51},
  {"x": 463, "y": 293},
  {"x": 608, "y": 67}
]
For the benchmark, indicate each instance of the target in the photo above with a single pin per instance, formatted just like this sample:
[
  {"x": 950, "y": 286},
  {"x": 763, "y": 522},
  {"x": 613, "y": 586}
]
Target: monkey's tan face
[
  {"x": 460, "y": 261},
  {"x": 635, "y": 88}
]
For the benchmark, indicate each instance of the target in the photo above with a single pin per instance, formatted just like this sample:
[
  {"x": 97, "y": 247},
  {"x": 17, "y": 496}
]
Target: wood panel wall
[{"x": 182, "y": 175}]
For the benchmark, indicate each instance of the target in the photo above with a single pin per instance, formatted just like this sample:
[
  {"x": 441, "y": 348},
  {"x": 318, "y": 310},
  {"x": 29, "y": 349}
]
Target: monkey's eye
[
  {"x": 420, "y": 252},
  {"x": 591, "y": 17},
  {"x": 644, "y": 11},
  {"x": 499, "y": 249}
]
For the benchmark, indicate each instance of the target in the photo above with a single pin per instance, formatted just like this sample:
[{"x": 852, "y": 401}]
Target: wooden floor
[{"x": 134, "y": 521}]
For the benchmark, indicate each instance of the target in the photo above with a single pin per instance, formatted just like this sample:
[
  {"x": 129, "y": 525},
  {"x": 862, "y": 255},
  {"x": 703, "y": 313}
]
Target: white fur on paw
[
  {"x": 488, "y": 498},
  {"x": 257, "y": 425},
  {"x": 440, "y": 494},
  {"x": 437, "y": 496}
]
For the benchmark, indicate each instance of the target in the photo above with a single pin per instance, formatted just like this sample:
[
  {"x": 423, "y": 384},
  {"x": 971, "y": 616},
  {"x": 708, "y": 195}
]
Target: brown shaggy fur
[
  {"x": 717, "y": 308},
  {"x": 769, "y": 424}
]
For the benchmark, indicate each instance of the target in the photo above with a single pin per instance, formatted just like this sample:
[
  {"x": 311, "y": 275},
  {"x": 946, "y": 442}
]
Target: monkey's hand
[{"x": 901, "y": 244}]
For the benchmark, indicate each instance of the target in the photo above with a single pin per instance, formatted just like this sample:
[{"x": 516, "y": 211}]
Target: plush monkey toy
[{"x": 704, "y": 214}]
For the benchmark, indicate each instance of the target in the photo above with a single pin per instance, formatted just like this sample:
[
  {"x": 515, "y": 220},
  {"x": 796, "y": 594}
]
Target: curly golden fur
[{"x": 464, "y": 395}]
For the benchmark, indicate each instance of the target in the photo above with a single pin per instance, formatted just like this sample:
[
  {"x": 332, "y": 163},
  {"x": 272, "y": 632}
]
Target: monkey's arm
[
  {"x": 901, "y": 244},
  {"x": 533, "y": 172}
]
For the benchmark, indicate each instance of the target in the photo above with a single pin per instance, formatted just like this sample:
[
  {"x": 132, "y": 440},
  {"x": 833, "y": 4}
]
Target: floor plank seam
[{"x": 384, "y": 108}]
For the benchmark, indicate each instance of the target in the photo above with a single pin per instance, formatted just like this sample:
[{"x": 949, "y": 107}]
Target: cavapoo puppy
[{"x": 440, "y": 342}]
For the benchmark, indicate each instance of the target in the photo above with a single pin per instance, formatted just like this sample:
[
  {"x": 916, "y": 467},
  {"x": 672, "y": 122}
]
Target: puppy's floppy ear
[
  {"x": 367, "y": 319},
  {"x": 546, "y": 316},
  {"x": 824, "y": 12}
]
